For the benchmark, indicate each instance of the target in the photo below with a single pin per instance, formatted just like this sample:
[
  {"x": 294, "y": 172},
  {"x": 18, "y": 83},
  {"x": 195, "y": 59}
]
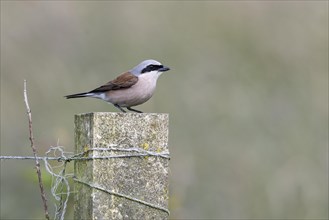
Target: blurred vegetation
[{"x": 247, "y": 97}]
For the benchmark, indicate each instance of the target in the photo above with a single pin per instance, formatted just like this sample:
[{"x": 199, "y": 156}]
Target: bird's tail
[{"x": 78, "y": 95}]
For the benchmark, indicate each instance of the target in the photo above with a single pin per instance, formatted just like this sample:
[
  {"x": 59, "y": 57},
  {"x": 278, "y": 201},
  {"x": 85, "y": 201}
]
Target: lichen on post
[{"x": 126, "y": 179}]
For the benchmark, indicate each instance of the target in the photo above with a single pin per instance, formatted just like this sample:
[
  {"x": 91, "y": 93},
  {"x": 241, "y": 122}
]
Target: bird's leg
[
  {"x": 134, "y": 110},
  {"x": 121, "y": 109}
]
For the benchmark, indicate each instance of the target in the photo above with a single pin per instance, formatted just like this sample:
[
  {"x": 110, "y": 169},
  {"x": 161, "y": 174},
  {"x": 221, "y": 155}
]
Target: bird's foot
[
  {"x": 119, "y": 107},
  {"x": 134, "y": 110}
]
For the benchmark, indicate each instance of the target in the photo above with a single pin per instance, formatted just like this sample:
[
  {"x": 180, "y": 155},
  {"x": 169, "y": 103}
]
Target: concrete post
[{"x": 133, "y": 182}]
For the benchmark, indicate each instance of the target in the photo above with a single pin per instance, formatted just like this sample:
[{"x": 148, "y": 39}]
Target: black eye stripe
[{"x": 150, "y": 68}]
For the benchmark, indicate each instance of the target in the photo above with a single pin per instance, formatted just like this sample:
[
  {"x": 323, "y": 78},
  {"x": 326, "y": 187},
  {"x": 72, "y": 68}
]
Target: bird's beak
[{"x": 164, "y": 69}]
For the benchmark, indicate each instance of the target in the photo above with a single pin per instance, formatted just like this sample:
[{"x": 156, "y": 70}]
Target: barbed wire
[
  {"x": 122, "y": 195},
  {"x": 141, "y": 153},
  {"x": 60, "y": 188}
]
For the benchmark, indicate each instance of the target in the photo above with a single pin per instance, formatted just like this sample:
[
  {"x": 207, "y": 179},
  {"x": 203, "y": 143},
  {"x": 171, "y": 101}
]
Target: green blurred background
[{"x": 247, "y": 96}]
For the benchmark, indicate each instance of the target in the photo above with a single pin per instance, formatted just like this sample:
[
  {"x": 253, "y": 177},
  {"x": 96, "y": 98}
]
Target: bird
[{"x": 130, "y": 88}]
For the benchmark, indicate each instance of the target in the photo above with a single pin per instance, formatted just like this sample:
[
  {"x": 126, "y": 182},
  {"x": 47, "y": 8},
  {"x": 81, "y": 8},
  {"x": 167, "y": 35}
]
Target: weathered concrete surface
[{"x": 144, "y": 178}]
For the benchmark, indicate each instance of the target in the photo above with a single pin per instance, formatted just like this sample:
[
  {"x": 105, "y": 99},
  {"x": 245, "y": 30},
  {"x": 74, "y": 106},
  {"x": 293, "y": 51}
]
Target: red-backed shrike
[{"x": 131, "y": 88}]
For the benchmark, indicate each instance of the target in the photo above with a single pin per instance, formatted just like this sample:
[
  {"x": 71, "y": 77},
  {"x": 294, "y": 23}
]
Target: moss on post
[{"x": 143, "y": 178}]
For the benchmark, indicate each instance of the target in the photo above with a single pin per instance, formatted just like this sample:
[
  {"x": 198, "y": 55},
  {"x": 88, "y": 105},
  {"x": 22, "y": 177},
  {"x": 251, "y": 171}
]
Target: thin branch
[{"x": 37, "y": 164}]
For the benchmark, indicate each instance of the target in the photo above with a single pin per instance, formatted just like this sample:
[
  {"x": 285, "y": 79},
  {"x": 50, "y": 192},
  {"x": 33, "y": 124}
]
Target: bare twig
[{"x": 37, "y": 164}]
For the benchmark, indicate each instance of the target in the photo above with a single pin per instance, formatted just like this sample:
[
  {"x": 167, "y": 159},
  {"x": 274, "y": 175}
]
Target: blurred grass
[{"x": 247, "y": 96}]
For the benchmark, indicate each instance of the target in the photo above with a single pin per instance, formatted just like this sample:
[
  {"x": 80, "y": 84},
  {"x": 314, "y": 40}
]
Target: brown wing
[{"x": 125, "y": 80}]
